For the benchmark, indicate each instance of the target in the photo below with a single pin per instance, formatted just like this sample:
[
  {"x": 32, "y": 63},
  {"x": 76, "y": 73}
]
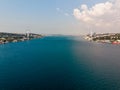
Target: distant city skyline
[{"x": 72, "y": 17}]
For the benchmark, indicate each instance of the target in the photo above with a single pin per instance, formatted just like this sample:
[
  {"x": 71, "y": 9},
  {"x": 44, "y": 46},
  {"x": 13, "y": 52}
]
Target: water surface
[{"x": 59, "y": 63}]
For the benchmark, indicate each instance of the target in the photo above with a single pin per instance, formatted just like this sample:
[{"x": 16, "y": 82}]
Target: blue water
[{"x": 59, "y": 63}]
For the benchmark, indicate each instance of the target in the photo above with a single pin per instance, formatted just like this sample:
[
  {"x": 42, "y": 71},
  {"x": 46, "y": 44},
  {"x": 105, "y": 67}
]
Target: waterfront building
[{"x": 28, "y": 34}]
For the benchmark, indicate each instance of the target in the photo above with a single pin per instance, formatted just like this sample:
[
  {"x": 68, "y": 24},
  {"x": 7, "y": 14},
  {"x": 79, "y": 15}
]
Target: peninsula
[{"x": 16, "y": 37}]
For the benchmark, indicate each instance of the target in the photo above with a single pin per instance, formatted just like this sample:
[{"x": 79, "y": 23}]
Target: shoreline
[
  {"x": 109, "y": 38},
  {"x": 15, "y": 37}
]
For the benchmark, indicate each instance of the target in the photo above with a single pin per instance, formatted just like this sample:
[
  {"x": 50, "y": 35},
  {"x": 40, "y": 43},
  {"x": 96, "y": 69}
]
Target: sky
[{"x": 74, "y": 17}]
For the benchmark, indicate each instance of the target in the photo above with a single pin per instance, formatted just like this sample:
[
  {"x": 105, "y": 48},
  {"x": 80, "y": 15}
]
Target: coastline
[
  {"x": 110, "y": 38},
  {"x": 16, "y": 37}
]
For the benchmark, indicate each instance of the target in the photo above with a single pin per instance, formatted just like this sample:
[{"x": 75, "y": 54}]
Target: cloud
[
  {"x": 58, "y": 9},
  {"x": 62, "y": 12},
  {"x": 66, "y": 14},
  {"x": 101, "y": 14}
]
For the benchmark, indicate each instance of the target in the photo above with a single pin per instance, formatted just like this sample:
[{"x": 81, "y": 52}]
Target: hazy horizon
[{"x": 68, "y": 17}]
